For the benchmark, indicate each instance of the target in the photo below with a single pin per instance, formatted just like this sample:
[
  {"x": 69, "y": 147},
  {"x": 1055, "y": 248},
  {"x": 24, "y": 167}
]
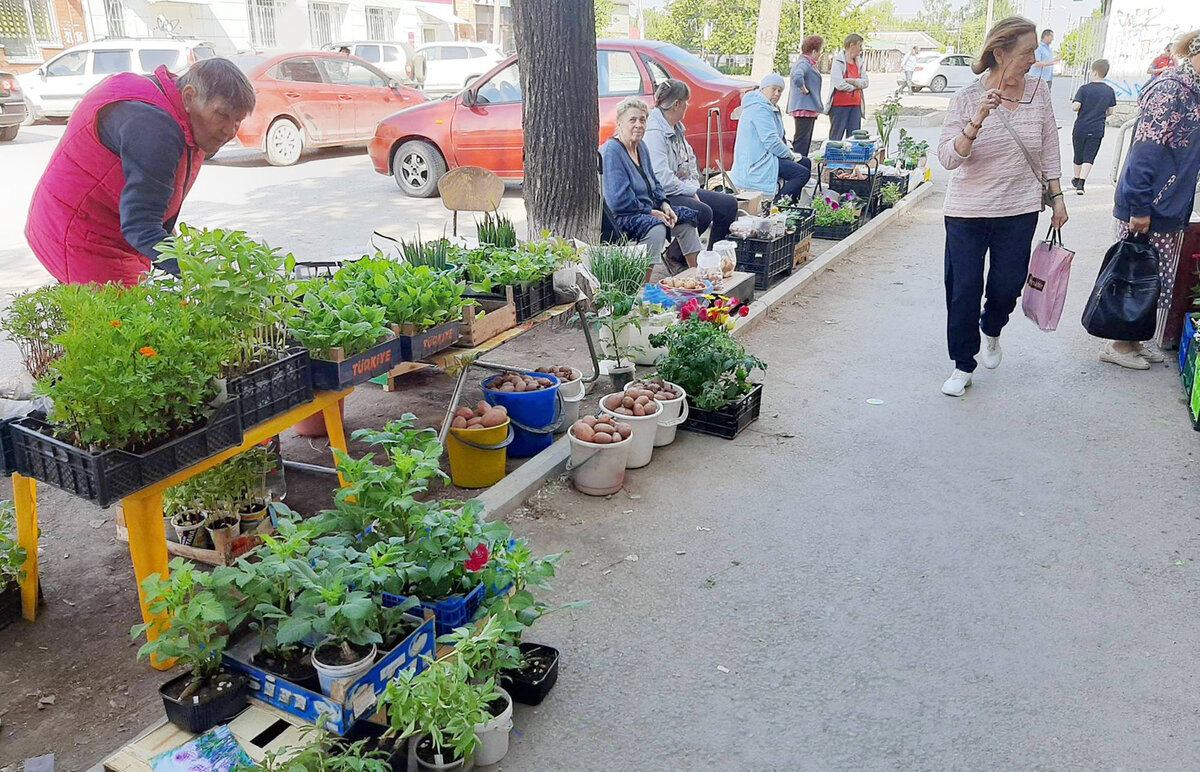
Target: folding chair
[{"x": 470, "y": 189}]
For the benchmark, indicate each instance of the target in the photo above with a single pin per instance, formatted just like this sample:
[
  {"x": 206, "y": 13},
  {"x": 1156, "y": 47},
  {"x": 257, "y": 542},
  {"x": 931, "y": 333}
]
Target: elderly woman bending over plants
[{"x": 632, "y": 191}]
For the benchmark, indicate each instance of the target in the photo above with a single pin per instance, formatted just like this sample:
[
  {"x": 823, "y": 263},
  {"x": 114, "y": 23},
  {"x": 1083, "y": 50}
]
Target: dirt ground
[{"x": 70, "y": 683}]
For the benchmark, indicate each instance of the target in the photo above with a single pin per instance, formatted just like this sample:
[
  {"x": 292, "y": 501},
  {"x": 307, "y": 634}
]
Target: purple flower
[
  {"x": 836, "y": 207},
  {"x": 828, "y": 200}
]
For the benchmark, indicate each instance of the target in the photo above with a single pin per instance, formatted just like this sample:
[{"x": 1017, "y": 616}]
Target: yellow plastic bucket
[{"x": 478, "y": 456}]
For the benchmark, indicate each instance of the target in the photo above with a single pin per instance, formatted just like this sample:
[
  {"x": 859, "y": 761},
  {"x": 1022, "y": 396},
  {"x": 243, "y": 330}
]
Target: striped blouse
[{"x": 994, "y": 179}]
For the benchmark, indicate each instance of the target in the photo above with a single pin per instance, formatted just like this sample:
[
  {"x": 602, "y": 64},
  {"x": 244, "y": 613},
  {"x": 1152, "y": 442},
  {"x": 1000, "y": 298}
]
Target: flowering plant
[
  {"x": 831, "y": 212},
  {"x": 716, "y": 309},
  {"x": 138, "y": 366}
]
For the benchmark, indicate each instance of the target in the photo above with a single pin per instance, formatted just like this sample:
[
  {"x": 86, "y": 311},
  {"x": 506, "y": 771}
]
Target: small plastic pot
[
  {"x": 621, "y": 376},
  {"x": 250, "y": 521},
  {"x": 331, "y": 675},
  {"x": 223, "y": 538},
  {"x": 193, "y": 715},
  {"x": 531, "y": 691},
  {"x": 493, "y": 735},
  {"x": 188, "y": 534}
]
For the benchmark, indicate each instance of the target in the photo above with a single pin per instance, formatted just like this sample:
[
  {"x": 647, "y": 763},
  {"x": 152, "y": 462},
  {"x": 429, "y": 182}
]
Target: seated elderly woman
[
  {"x": 762, "y": 160},
  {"x": 634, "y": 195}
]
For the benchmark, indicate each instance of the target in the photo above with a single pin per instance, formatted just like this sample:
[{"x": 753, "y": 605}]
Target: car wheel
[
  {"x": 917, "y": 88},
  {"x": 8, "y": 133},
  {"x": 417, "y": 167},
  {"x": 285, "y": 143},
  {"x": 938, "y": 84},
  {"x": 31, "y": 115}
]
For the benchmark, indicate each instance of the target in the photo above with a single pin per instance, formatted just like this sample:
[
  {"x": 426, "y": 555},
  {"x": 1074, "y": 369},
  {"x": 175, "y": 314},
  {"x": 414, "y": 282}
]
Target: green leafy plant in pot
[
  {"x": 323, "y": 752},
  {"x": 497, "y": 230},
  {"x": 707, "y": 362},
  {"x": 195, "y": 612},
  {"x": 615, "y": 320},
  {"x": 12, "y": 555},
  {"x": 334, "y": 323}
]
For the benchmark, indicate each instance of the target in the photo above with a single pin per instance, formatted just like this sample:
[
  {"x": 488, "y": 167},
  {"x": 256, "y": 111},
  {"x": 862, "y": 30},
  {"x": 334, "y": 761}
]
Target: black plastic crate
[
  {"x": 837, "y": 232},
  {"x": 333, "y": 375},
  {"x": 902, "y": 181},
  {"x": 767, "y": 260},
  {"x": 729, "y": 421},
  {"x": 7, "y": 456},
  {"x": 419, "y": 346},
  {"x": 107, "y": 476},
  {"x": 533, "y": 298},
  {"x": 808, "y": 221},
  {"x": 274, "y": 388}
]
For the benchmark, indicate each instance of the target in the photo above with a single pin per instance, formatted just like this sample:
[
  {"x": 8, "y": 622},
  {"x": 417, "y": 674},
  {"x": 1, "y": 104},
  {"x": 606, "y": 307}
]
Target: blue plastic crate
[
  {"x": 860, "y": 152},
  {"x": 1185, "y": 340},
  {"x": 451, "y": 613}
]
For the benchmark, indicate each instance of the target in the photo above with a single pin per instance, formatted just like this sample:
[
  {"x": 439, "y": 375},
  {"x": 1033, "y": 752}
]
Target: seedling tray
[
  {"x": 274, "y": 388},
  {"x": 339, "y": 372},
  {"x": 107, "y": 476},
  {"x": 418, "y": 346},
  {"x": 339, "y": 712},
  {"x": 450, "y": 613},
  {"x": 837, "y": 232},
  {"x": 729, "y": 421},
  {"x": 529, "y": 299},
  {"x": 767, "y": 260}
]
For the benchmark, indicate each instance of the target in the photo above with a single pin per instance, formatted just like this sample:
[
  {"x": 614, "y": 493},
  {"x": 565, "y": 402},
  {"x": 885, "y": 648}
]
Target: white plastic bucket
[
  {"x": 571, "y": 388},
  {"x": 329, "y": 675},
  {"x": 645, "y": 427},
  {"x": 671, "y": 414},
  {"x": 570, "y": 411},
  {"x": 598, "y": 470},
  {"x": 493, "y": 735}
]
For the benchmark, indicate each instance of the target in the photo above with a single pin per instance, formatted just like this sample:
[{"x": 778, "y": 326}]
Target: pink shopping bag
[{"x": 1046, "y": 286}]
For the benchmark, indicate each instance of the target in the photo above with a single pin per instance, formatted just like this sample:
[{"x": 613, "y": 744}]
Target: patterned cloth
[{"x": 1169, "y": 246}]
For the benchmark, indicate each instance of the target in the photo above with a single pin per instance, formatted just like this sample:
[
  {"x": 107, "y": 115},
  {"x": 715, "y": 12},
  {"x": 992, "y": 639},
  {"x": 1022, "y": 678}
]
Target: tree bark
[{"x": 556, "y": 44}]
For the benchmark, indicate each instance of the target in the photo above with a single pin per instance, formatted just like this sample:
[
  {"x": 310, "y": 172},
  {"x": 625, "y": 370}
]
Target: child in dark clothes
[{"x": 1093, "y": 102}]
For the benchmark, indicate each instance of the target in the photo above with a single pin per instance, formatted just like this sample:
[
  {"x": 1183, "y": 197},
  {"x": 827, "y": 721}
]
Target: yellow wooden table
[{"x": 144, "y": 509}]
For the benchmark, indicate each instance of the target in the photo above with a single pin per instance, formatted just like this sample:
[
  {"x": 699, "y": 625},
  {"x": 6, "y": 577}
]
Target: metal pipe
[{"x": 300, "y": 466}]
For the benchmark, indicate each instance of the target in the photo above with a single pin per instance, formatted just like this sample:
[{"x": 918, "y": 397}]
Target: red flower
[
  {"x": 704, "y": 314},
  {"x": 148, "y": 352},
  {"x": 115, "y": 323},
  {"x": 744, "y": 311},
  {"x": 478, "y": 560}
]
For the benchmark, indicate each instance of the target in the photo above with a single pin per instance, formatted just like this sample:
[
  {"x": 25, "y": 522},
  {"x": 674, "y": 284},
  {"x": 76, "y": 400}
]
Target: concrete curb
[{"x": 510, "y": 493}]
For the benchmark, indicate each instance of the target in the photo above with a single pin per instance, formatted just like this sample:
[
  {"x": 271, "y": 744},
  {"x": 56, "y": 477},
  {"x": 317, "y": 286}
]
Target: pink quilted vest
[{"x": 74, "y": 222}]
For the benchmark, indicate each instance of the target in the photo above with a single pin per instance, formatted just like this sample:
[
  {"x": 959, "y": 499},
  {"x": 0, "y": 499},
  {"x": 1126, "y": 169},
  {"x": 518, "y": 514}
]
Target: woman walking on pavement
[
  {"x": 804, "y": 103},
  {"x": 848, "y": 76},
  {"x": 1157, "y": 189},
  {"x": 994, "y": 196}
]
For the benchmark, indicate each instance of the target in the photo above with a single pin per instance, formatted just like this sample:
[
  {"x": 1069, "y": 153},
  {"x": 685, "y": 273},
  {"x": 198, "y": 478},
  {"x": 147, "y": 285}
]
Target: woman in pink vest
[{"x": 130, "y": 154}]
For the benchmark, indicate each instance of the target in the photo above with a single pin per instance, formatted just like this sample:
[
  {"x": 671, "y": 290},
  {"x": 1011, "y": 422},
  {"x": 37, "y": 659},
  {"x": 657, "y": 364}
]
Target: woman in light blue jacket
[{"x": 762, "y": 160}]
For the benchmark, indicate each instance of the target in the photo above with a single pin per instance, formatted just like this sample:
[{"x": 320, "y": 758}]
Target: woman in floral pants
[{"x": 1158, "y": 187}]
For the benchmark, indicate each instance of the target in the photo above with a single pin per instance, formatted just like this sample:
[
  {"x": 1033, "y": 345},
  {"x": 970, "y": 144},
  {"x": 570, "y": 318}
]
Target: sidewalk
[{"x": 1001, "y": 581}]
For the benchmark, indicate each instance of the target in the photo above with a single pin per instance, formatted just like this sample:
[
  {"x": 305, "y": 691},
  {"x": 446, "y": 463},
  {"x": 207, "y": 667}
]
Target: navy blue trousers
[{"x": 1009, "y": 240}]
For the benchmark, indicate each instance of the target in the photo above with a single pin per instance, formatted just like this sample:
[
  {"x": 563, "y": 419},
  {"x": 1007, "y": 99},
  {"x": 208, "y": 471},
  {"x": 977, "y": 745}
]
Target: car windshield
[{"x": 690, "y": 62}]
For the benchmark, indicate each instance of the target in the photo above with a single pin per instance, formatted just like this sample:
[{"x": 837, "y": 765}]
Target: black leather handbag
[{"x": 1124, "y": 303}]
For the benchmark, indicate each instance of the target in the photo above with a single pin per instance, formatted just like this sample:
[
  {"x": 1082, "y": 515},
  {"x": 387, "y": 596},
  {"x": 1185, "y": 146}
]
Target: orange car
[
  {"x": 481, "y": 126},
  {"x": 316, "y": 99}
]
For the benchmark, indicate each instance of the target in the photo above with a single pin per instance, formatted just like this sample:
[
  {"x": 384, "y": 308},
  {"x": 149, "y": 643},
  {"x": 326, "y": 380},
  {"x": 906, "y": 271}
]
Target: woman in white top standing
[{"x": 994, "y": 197}]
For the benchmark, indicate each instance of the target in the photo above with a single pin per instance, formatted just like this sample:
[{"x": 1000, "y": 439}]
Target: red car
[
  {"x": 316, "y": 99},
  {"x": 481, "y": 126}
]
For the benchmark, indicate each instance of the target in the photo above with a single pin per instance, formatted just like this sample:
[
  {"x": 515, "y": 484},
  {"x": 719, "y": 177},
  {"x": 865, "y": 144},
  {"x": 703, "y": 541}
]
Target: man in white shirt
[{"x": 909, "y": 65}]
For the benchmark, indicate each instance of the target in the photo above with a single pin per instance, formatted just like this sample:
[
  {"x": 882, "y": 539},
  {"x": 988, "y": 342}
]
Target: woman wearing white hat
[{"x": 762, "y": 160}]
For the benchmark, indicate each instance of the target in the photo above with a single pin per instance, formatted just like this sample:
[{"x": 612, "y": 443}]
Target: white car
[
  {"x": 451, "y": 67},
  {"x": 391, "y": 57},
  {"x": 54, "y": 89},
  {"x": 939, "y": 72}
]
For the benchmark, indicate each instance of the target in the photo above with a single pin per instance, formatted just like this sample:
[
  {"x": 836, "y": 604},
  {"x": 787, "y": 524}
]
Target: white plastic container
[
  {"x": 598, "y": 470},
  {"x": 493, "y": 735},
  {"x": 570, "y": 411},
  {"x": 329, "y": 675},
  {"x": 641, "y": 448},
  {"x": 672, "y": 413},
  {"x": 569, "y": 388}
]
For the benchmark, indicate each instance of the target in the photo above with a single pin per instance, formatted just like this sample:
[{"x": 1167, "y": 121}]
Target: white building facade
[{"x": 239, "y": 26}]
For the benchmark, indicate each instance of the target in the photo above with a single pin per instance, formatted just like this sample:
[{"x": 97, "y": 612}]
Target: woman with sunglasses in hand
[{"x": 995, "y": 194}]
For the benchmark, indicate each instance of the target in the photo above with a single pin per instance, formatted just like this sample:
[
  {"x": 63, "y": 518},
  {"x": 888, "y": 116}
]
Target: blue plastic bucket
[{"x": 534, "y": 415}]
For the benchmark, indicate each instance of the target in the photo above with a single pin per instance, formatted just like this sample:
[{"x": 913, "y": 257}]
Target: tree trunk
[{"x": 556, "y": 43}]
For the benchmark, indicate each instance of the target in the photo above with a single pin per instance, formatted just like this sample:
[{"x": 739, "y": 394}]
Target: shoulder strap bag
[{"x": 1033, "y": 164}]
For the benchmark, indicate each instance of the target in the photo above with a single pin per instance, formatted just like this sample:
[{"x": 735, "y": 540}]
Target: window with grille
[
  {"x": 114, "y": 15},
  {"x": 381, "y": 24},
  {"x": 262, "y": 23},
  {"x": 25, "y": 26},
  {"x": 324, "y": 23}
]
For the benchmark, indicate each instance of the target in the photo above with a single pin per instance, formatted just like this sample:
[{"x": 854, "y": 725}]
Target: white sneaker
[
  {"x": 956, "y": 385},
  {"x": 1131, "y": 359},
  {"x": 991, "y": 354},
  {"x": 1150, "y": 354}
]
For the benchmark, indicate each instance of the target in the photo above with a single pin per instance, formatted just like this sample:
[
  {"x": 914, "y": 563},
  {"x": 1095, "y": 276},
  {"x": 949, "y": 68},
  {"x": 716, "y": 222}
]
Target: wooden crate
[
  {"x": 803, "y": 252},
  {"x": 254, "y": 722},
  {"x": 476, "y": 329}
]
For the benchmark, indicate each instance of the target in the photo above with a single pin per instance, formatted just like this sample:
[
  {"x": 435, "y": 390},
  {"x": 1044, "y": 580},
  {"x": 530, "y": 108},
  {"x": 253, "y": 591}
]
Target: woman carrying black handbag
[{"x": 1157, "y": 189}]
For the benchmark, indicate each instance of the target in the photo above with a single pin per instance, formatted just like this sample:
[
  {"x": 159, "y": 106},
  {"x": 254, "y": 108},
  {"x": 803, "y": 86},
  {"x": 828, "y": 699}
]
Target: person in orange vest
[
  {"x": 848, "y": 76},
  {"x": 131, "y": 152}
]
